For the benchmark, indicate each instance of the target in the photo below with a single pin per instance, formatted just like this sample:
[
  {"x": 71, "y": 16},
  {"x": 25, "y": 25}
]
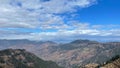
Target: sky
[{"x": 60, "y": 20}]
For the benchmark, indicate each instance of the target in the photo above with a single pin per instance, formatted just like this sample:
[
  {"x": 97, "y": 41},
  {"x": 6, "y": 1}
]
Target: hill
[{"x": 19, "y": 58}]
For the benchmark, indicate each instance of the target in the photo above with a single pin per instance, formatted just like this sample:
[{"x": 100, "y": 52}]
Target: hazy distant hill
[
  {"x": 19, "y": 58},
  {"x": 69, "y": 55}
]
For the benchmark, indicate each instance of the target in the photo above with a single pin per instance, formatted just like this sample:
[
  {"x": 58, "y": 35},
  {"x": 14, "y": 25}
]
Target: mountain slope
[
  {"x": 19, "y": 58},
  {"x": 80, "y": 52}
]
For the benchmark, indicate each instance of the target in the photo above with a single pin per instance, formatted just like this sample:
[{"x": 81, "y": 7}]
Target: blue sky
[
  {"x": 105, "y": 12},
  {"x": 60, "y": 20}
]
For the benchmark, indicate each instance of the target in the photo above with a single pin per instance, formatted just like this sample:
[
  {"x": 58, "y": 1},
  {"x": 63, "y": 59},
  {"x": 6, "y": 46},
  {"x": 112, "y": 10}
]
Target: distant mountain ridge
[{"x": 83, "y": 41}]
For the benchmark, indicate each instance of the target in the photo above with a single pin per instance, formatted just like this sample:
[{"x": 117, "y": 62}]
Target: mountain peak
[{"x": 83, "y": 41}]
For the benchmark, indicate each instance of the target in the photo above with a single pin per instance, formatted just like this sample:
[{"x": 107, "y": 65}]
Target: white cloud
[{"x": 35, "y": 13}]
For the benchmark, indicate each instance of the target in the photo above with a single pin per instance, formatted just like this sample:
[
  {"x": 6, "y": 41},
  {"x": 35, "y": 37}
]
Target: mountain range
[{"x": 69, "y": 55}]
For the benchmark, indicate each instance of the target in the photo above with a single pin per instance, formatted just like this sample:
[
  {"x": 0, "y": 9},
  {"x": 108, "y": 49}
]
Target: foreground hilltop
[
  {"x": 114, "y": 62},
  {"x": 19, "y": 58}
]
